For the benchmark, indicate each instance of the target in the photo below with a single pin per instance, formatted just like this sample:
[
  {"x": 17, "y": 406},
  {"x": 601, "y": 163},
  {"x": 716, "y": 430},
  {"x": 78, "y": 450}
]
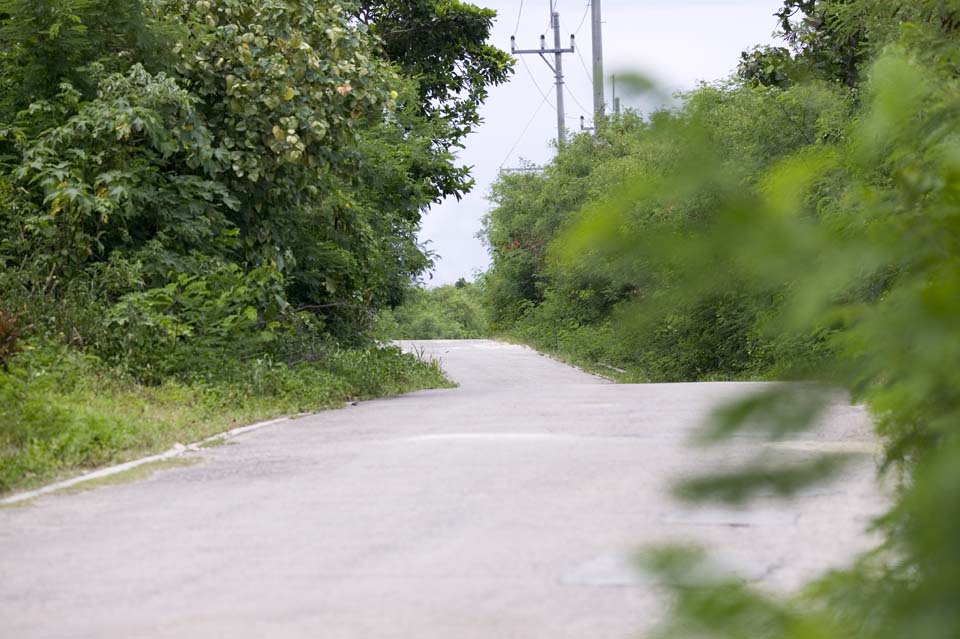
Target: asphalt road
[{"x": 510, "y": 507}]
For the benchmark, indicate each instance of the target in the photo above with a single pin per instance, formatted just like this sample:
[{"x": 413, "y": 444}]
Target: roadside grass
[
  {"x": 596, "y": 350},
  {"x": 63, "y": 412},
  {"x": 589, "y": 362},
  {"x": 559, "y": 355}
]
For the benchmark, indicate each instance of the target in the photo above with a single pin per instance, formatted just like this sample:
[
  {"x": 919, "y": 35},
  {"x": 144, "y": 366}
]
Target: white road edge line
[{"x": 177, "y": 451}]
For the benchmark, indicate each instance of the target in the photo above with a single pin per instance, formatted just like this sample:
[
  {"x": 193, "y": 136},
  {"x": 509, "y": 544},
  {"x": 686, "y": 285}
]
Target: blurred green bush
[{"x": 798, "y": 222}]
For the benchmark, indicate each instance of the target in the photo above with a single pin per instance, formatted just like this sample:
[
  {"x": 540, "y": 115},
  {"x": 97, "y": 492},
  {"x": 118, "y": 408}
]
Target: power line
[
  {"x": 582, "y": 20},
  {"x": 570, "y": 93},
  {"x": 580, "y": 26},
  {"x": 584, "y": 65},
  {"x": 543, "y": 93},
  {"x": 519, "y": 15},
  {"x": 524, "y": 132},
  {"x": 553, "y": 8}
]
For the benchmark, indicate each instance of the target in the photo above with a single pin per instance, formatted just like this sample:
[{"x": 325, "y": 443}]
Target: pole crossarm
[
  {"x": 542, "y": 50},
  {"x": 557, "y": 67}
]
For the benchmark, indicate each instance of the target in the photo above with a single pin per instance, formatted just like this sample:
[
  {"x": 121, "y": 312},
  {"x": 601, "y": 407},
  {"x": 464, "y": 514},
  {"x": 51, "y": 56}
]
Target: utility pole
[
  {"x": 616, "y": 100},
  {"x": 598, "y": 101},
  {"x": 556, "y": 67}
]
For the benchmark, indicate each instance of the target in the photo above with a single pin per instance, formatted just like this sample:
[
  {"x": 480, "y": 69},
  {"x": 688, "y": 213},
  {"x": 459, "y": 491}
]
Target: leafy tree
[
  {"x": 569, "y": 306},
  {"x": 45, "y": 43},
  {"x": 833, "y": 39},
  {"x": 92, "y": 185},
  {"x": 767, "y": 66},
  {"x": 827, "y": 45},
  {"x": 443, "y": 45}
]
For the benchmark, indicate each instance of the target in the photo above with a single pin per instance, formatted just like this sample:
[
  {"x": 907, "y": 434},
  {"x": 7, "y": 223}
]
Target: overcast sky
[{"x": 676, "y": 42}]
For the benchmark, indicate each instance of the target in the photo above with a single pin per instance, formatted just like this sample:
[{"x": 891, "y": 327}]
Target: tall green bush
[{"x": 176, "y": 142}]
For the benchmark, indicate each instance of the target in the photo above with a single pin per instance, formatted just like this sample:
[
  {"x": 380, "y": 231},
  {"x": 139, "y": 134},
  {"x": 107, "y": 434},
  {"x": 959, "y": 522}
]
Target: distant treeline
[{"x": 454, "y": 311}]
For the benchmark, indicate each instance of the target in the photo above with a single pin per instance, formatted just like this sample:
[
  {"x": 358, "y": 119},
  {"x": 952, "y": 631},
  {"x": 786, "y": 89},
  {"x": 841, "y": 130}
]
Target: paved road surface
[{"x": 509, "y": 507}]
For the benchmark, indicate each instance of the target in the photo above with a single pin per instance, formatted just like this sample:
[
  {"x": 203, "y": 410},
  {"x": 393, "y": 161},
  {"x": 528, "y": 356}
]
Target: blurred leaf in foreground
[{"x": 854, "y": 241}]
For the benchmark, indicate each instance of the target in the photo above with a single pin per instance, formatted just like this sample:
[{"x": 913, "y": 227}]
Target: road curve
[{"x": 510, "y": 507}]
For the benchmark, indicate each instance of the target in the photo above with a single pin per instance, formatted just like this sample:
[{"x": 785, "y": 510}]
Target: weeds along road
[{"x": 511, "y": 506}]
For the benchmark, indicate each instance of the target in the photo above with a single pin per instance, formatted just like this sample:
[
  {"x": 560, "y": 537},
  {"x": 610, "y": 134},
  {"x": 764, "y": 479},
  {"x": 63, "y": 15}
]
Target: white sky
[{"x": 676, "y": 42}]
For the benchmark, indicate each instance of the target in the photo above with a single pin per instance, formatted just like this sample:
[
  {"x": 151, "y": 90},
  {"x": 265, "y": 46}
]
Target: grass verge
[
  {"x": 572, "y": 357},
  {"x": 63, "y": 412}
]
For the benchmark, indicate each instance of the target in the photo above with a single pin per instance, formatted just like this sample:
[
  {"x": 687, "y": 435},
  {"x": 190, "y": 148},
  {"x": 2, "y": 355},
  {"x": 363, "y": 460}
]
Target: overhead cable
[
  {"x": 519, "y": 15},
  {"x": 524, "y": 132}
]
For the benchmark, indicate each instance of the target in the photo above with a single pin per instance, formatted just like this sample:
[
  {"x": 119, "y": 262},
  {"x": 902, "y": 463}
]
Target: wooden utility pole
[{"x": 556, "y": 67}]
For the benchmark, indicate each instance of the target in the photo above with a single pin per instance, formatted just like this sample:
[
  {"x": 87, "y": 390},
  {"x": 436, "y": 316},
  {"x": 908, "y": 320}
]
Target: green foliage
[
  {"x": 711, "y": 605},
  {"x": 446, "y": 312},
  {"x": 767, "y": 66},
  {"x": 46, "y": 43},
  {"x": 571, "y": 307},
  {"x": 441, "y": 43},
  {"x": 270, "y": 132},
  {"x": 102, "y": 180},
  {"x": 195, "y": 320},
  {"x": 833, "y": 40}
]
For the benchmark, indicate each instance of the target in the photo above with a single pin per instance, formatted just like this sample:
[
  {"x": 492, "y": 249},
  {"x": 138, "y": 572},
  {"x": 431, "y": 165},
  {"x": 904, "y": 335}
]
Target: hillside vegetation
[
  {"x": 800, "y": 221},
  {"x": 203, "y": 205}
]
